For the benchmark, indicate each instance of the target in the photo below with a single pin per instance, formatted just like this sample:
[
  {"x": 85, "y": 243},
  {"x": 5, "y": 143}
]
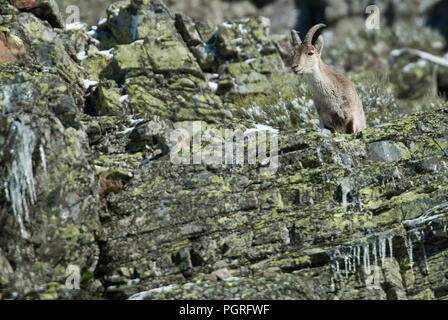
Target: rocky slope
[{"x": 88, "y": 179}]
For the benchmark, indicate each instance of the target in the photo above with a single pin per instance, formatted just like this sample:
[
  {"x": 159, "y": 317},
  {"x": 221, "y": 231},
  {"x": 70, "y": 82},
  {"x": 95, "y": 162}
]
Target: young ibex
[{"x": 337, "y": 103}]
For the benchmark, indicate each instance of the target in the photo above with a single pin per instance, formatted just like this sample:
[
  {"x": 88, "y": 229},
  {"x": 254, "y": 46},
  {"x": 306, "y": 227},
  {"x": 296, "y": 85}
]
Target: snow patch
[
  {"x": 89, "y": 83},
  {"x": 75, "y": 26},
  {"x": 102, "y": 22},
  {"x": 106, "y": 53},
  {"x": 125, "y": 131},
  {"x": 261, "y": 127},
  {"x": 144, "y": 294},
  {"x": 227, "y": 24},
  {"x": 231, "y": 279},
  {"x": 123, "y": 98},
  {"x": 241, "y": 28},
  {"x": 81, "y": 55},
  {"x": 213, "y": 85}
]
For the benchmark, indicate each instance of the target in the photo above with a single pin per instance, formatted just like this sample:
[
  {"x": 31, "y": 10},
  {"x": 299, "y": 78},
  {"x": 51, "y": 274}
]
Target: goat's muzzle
[{"x": 297, "y": 69}]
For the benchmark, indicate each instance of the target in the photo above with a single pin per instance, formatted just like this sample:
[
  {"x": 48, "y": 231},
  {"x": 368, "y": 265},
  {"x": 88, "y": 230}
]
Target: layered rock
[
  {"x": 92, "y": 180},
  {"x": 49, "y": 197}
]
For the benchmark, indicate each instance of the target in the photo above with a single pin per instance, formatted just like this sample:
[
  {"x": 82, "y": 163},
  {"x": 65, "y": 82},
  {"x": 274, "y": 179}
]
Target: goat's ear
[{"x": 319, "y": 44}]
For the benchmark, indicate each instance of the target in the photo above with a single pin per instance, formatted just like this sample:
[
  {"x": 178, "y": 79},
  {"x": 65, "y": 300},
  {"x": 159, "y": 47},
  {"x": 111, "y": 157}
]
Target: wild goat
[{"x": 335, "y": 98}]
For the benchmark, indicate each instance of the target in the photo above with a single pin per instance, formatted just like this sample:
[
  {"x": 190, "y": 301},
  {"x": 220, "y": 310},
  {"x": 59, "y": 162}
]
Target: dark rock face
[{"x": 92, "y": 183}]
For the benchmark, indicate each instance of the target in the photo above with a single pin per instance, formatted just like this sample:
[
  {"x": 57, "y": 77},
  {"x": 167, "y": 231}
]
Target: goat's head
[{"x": 306, "y": 55}]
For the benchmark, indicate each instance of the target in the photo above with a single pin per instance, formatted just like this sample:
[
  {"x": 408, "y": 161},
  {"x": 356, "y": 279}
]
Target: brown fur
[
  {"x": 108, "y": 185},
  {"x": 9, "y": 50},
  {"x": 335, "y": 98}
]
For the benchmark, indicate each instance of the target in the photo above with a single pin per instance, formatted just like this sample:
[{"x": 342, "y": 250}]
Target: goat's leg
[{"x": 350, "y": 127}]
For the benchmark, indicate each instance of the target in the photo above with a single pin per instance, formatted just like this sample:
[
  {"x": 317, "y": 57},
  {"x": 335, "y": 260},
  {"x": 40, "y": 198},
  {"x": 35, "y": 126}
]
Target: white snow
[
  {"x": 123, "y": 98},
  {"x": 125, "y": 130},
  {"x": 241, "y": 28},
  {"x": 227, "y": 24},
  {"x": 261, "y": 127},
  {"x": 106, "y": 53},
  {"x": 213, "y": 85},
  {"x": 144, "y": 294},
  {"x": 93, "y": 32},
  {"x": 89, "y": 83},
  {"x": 75, "y": 26},
  {"x": 232, "y": 279},
  {"x": 116, "y": 11},
  {"x": 135, "y": 121},
  {"x": 81, "y": 55},
  {"x": 421, "y": 54},
  {"x": 426, "y": 217}
]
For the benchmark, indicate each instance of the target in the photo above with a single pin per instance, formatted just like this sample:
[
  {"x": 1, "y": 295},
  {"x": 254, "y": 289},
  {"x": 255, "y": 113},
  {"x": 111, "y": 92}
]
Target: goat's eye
[{"x": 310, "y": 53}]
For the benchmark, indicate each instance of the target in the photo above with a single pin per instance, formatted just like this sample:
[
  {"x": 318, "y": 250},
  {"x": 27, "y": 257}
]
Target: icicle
[
  {"x": 6, "y": 191},
  {"x": 408, "y": 244},
  {"x": 352, "y": 260},
  {"x": 335, "y": 257},
  {"x": 346, "y": 266},
  {"x": 374, "y": 251},
  {"x": 344, "y": 200},
  {"x": 20, "y": 182},
  {"x": 319, "y": 155},
  {"x": 382, "y": 244},
  {"x": 391, "y": 249},
  {"x": 366, "y": 259},
  {"x": 333, "y": 271},
  {"x": 42, "y": 158},
  {"x": 421, "y": 236},
  {"x": 358, "y": 255}
]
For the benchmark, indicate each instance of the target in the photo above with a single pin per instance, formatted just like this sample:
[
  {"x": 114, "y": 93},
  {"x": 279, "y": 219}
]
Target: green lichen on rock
[
  {"x": 330, "y": 188},
  {"x": 359, "y": 216},
  {"x": 108, "y": 101},
  {"x": 172, "y": 57},
  {"x": 130, "y": 60}
]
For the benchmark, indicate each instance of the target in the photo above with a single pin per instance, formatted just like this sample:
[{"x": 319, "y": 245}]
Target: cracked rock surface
[{"x": 88, "y": 184}]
